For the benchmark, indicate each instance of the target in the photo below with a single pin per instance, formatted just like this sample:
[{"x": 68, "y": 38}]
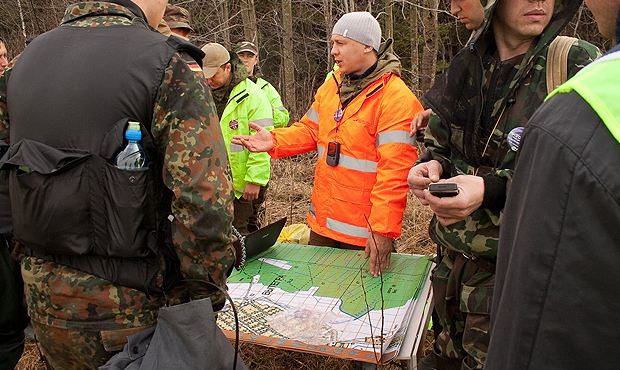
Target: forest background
[
  {"x": 293, "y": 35},
  {"x": 293, "y": 40}
]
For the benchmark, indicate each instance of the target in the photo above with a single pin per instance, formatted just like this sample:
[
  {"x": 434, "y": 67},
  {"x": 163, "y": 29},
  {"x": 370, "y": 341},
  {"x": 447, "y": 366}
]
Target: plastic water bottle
[{"x": 133, "y": 157}]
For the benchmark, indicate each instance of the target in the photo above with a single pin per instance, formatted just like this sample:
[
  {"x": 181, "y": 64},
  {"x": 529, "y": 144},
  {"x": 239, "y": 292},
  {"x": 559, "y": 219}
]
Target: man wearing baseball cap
[
  {"x": 239, "y": 101},
  {"x": 248, "y": 53},
  {"x": 178, "y": 19},
  {"x": 359, "y": 124}
]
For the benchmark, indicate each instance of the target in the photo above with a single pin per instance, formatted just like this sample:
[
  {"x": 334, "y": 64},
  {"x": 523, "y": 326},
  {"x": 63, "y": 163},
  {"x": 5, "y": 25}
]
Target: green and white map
[{"x": 324, "y": 300}]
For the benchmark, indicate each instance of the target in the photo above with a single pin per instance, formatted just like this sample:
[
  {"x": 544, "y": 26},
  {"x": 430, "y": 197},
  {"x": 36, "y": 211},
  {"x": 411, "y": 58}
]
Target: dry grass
[
  {"x": 30, "y": 359},
  {"x": 289, "y": 195}
]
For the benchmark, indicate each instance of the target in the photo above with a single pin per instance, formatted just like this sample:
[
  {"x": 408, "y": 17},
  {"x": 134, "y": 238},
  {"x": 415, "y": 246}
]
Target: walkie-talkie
[{"x": 333, "y": 153}]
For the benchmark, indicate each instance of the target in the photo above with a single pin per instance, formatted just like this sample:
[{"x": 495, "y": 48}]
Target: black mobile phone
[
  {"x": 333, "y": 153},
  {"x": 443, "y": 189}
]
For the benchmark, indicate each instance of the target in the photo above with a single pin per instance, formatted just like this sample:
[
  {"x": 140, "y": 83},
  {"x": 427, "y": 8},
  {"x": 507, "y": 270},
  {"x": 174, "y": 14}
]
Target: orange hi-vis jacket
[{"x": 376, "y": 154}]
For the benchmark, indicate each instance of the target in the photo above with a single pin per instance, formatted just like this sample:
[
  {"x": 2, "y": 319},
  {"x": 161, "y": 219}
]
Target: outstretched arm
[{"x": 261, "y": 141}]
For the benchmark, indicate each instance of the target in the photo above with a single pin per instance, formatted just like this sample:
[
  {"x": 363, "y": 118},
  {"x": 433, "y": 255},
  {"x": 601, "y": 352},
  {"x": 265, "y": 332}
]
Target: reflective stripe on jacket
[
  {"x": 280, "y": 114},
  {"x": 246, "y": 103},
  {"x": 376, "y": 154}
]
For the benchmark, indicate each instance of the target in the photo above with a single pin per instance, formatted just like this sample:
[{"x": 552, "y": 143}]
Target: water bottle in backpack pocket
[
  {"x": 132, "y": 157},
  {"x": 74, "y": 202}
]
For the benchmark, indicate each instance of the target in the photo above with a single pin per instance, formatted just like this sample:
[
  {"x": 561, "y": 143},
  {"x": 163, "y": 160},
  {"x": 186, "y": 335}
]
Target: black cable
[
  {"x": 372, "y": 335},
  {"x": 482, "y": 101},
  {"x": 372, "y": 234},
  {"x": 234, "y": 309}
]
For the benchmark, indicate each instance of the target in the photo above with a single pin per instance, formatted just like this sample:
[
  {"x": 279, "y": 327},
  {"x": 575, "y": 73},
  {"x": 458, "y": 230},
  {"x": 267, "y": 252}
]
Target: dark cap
[
  {"x": 246, "y": 46},
  {"x": 177, "y": 17}
]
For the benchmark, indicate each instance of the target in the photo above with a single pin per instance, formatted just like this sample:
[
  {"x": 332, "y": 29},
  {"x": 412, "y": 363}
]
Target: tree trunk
[
  {"x": 287, "y": 55},
  {"x": 329, "y": 24},
  {"x": 224, "y": 25},
  {"x": 414, "y": 37},
  {"x": 388, "y": 28},
  {"x": 349, "y": 6},
  {"x": 429, "y": 58},
  {"x": 579, "y": 14},
  {"x": 248, "y": 14}
]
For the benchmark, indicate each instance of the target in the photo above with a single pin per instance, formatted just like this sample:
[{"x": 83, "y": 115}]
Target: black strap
[
  {"x": 336, "y": 81},
  {"x": 374, "y": 90},
  {"x": 439, "y": 255},
  {"x": 183, "y": 46},
  {"x": 135, "y": 9},
  {"x": 3, "y": 148}
]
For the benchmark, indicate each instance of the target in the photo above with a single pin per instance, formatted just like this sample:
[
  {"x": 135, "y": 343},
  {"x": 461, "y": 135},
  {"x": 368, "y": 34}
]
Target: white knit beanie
[{"x": 361, "y": 27}]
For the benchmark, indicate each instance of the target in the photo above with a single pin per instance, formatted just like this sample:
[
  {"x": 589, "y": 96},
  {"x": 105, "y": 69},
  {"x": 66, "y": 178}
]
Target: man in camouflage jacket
[
  {"x": 80, "y": 319},
  {"x": 482, "y": 102}
]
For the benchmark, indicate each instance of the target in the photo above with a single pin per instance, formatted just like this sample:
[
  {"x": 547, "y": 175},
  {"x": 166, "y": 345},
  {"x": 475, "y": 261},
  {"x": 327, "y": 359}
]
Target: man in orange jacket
[{"x": 359, "y": 124}]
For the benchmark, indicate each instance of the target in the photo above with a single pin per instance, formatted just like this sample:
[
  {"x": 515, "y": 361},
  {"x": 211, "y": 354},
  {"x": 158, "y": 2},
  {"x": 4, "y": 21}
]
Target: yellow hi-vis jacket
[
  {"x": 246, "y": 103},
  {"x": 280, "y": 114}
]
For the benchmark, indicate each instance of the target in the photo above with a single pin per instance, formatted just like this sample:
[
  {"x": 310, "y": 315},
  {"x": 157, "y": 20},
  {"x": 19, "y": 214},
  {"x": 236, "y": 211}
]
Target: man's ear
[
  {"x": 368, "y": 49},
  {"x": 228, "y": 67}
]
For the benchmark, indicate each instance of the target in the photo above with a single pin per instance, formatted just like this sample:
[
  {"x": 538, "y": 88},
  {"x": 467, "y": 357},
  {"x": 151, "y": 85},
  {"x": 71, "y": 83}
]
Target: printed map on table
[{"x": 323, "y": 300}]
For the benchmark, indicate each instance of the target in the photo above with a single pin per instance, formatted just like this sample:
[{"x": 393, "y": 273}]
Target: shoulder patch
[{"x": 194, "y": 67}]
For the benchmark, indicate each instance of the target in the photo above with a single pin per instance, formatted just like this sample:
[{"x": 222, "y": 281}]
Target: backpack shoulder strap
[
  {"x": 185, "y": 48},
  {"x": 557, "y": 61}
]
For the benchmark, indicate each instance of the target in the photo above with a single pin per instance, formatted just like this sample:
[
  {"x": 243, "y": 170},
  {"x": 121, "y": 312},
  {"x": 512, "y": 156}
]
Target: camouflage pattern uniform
[
  {"x": 163, "y": 28},
  {"x": 79, "y": 319},
  {"x": 463, "y": 281}
]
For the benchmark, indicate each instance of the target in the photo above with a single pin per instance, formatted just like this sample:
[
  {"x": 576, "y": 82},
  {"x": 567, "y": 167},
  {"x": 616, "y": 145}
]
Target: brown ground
[{"x": 289, "y": 195}]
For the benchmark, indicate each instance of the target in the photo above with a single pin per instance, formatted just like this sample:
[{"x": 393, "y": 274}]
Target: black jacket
[
  {"x": 556, "y": 303},
  {"x": 72, "y": 205}
]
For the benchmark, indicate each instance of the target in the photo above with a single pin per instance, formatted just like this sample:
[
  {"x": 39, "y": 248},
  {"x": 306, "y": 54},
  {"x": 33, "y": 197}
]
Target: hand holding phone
[
  {"x": 462, "y": 195},
  {"x": 443, "y": 189}
]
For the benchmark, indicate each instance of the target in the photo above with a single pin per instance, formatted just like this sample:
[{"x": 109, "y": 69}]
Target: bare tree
[
  {"x": 287, "y": 55},
  {"x": 224, "y": 27},
  {"x": 294, "y": 48},
  {"x": 349, "y": 6},
  {"x": 248, "y": 14},
  {"x": 329, "y": 24},
  {"x": 388, "y": 27},
  {"x": 414, "y": 38},
  {"x": 430, "y": 32}
]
